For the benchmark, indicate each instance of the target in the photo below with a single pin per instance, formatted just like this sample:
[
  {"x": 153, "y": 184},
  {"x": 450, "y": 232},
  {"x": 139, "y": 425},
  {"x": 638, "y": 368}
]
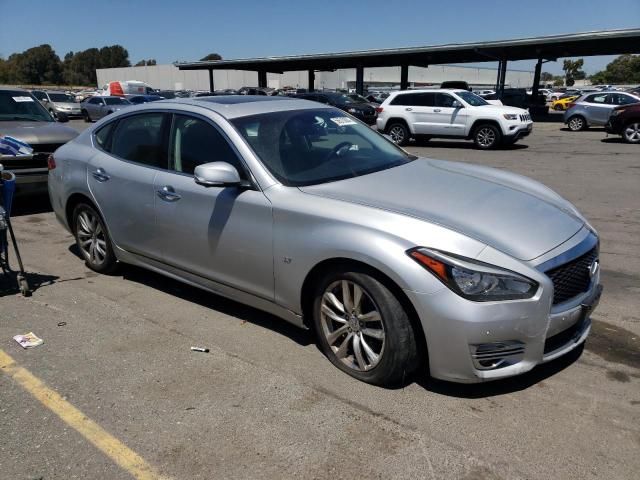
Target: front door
[
  {"x": 597, "y": 109},
  {"x": 446, "y": 120},
  {"x": 220, "y": 233},
  {"x": 131, "y": 152}
]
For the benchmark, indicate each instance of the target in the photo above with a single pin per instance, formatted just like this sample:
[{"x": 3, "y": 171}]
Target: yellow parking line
[{"x": 99, "y": 437}]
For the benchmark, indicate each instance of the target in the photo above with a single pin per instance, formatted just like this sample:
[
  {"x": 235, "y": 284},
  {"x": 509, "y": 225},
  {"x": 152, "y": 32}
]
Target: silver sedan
[
  {"x": 398, "y": 263},
  {"x": 95, "y": 108}
]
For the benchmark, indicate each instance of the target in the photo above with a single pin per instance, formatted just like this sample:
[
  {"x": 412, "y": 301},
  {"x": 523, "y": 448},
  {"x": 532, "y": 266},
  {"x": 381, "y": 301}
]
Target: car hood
[
  {"x": 500, "y": 109},
  {"x": 35, "y": 133},
  {"x": 72, "y": 105},
  {"x": 509, "y": 212}
]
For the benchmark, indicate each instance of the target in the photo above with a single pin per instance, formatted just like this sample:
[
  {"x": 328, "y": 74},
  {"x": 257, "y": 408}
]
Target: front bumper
[
  {"x": 515, "y": 132},
  {"x": 461, "y": 333}
]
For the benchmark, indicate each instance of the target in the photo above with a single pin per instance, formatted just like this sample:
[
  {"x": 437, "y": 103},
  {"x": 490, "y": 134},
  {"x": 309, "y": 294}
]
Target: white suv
[{"x": 423, "y": 114}]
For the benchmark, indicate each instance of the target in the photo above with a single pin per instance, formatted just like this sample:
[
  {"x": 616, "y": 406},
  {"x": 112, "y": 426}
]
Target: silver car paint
[
  {"x": 97, "y": 112},
  {"x": 594, "y": 113},
  {"x": 278, "y": 234}
]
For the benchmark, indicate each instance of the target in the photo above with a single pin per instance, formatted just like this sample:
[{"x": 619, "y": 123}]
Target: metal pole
[
  {"x": 311, "y": 82},
  {"x": 360, "y": 80},
  {"x": 262, "y": 79},
  {"x": 404, "y": 77},
  {"x": 211, "y": 80},
  {"x": 536, "y": 79}
]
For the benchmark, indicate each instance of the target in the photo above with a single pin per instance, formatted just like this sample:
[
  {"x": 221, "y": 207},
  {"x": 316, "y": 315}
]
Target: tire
[
  {"x": 558, "y": 108},
  {"x": 399, "y": 133},
  {"x": 381, "y": 350},
  {"x": 577, "y": 123},
  {"x": 631, "y": 132},
  {"x": 86, "y": 116},
  {"x": 53, "y": 113},
  {"x": 487, "y": 136},
  {"x": 92, "y": 239}
]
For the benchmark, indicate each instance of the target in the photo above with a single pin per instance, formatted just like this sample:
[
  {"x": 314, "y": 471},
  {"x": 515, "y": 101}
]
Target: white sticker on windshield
[
  {"x": 343, "y": 121},
  {"x": 22, "y": 99}
]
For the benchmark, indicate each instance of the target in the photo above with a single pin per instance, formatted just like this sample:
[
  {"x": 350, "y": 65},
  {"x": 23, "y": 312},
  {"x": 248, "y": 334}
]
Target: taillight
[
  {"x": 51, "y": 162},
  {"x": 379, "y": 109}
]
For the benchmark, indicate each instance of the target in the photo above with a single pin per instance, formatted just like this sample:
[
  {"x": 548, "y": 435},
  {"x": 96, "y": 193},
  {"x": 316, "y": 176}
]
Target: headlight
[
  {"x": 615, "y": 113},
  {"x": 510, "y": 116},
  {"x": 474, "y": 280},
  {"x": 352, "y": 110}
]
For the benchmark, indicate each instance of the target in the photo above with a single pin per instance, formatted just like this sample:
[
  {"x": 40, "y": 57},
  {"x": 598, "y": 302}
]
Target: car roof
[
  {"x": 18, "y": 90},
  {"x": 234, "y": 106},
  {"x": 431, "y": 90}
]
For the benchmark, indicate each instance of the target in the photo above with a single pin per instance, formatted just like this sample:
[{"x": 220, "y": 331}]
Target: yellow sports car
[{"x": 563, "y": 103}]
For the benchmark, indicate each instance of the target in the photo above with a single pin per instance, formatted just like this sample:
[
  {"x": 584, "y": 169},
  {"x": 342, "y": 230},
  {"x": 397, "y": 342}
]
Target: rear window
[{"x": 415, "y": 99}]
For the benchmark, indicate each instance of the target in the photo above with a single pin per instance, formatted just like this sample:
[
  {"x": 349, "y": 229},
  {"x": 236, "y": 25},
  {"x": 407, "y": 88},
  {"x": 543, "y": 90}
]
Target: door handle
[
  {"x": 408, "y": 109},
  {"x": 100, "y": 175},
  {"x": 168, "y": 194},
  {"x": 437, "y": 110}
]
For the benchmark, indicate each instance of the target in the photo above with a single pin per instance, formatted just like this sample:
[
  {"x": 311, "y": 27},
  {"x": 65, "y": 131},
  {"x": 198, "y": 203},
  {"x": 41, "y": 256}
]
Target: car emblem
[{"x": 593, "y": 268}]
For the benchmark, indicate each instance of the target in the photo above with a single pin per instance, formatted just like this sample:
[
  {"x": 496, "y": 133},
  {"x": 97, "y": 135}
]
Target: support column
[
  {"x": 502, "y": 76},
  {"x": 499, "y": 75},
  {"x": 404, "y": 77},
  {"x": 311, "y": 83},
  {"x": 211, "y": 80},
  {"x": 536, "y": 79},
  {"x": 360, "y": 80},
  {"x": 262, "y": 79}
]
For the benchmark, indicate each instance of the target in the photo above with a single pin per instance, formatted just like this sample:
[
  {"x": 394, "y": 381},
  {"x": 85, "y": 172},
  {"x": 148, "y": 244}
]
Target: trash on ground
[
  {"x": 28, "y": 340},
  {"x": 62, "y": 324},
  {"x": 200, "y": 349}
]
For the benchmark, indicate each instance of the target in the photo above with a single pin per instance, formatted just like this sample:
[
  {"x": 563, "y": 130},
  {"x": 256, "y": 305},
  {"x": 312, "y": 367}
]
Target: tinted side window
[
  {"x": 194, "y": 141},
  {"x": 620, "y": 99},
  {"x": 444, "y": 100},
  {"x": 103, "y": 136},
  {"x": 139, "y": 139},
  {"x": 414, "y": 99},
  {"x": 95, "y": 101},
  {"x": 597, "y": 98}
]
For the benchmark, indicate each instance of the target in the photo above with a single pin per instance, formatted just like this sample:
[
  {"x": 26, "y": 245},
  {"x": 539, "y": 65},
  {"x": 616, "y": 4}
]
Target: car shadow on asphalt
[
  {"x": 504, "y": 386},
  {"x": 215, "y": 302},
  {"x": 30, "y": 205},
  {"x": 613, "y": 140}
]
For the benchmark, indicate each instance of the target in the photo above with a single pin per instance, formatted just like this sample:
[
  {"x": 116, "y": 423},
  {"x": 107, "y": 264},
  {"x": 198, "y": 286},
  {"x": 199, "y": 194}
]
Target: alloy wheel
[
  {"x": 397, "y": 134},
  {"x": 352, "y": 325},
  {"x": 91, "y": 238},
  {"x": 576, "y": 123},
  {"x": 632, "y": 133},
  {"x": 486, "y": 137}
]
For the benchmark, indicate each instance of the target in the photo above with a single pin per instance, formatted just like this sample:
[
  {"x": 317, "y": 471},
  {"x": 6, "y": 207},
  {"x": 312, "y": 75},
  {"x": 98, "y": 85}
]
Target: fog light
[{"x": 490, "y": 356}]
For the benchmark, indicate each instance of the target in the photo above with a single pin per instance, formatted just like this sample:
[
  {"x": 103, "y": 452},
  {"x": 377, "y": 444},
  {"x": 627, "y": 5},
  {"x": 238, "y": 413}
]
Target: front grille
[
  {"x": 489, "y": 356},
  {"x": 525, "y": 117},
  {"x": 572, "y": 278}
]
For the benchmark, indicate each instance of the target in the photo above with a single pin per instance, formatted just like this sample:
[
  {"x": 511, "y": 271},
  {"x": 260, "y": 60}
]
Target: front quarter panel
[{"x": 309, "y": 229}]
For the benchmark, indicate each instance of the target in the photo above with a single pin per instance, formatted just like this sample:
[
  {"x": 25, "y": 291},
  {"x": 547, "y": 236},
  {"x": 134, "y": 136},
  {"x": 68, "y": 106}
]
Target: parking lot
[{"x": 265, "y": 403}]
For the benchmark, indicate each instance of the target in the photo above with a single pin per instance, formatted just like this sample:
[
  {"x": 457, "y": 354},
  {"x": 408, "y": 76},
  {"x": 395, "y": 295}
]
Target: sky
[{"x": 187, "y": 30}]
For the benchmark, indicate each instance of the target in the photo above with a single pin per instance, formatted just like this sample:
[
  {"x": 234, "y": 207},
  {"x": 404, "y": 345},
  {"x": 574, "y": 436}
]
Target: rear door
[
  {"x": 131, "y": 152},
  {"x": 224, "y": 234},
  {"x": 597, "y": 108},
  {"x": 417, "y": 109},
  {"x": 445, "y": 119}
]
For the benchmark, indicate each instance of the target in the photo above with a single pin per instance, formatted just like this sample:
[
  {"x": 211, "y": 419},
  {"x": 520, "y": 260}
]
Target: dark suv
[
  {"x": 356, "y": 105},
  {"x": 625, "y": 120}
]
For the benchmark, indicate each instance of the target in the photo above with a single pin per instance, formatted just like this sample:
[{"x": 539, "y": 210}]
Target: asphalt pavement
[{"x": 265, "y": 403}]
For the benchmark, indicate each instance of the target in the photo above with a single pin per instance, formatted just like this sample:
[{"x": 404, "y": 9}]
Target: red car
[{"x": 625, "y": 120}]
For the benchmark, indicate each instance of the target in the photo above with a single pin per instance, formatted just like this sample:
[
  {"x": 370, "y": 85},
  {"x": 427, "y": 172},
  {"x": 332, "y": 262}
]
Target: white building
[{"x": 169, "y": 77}]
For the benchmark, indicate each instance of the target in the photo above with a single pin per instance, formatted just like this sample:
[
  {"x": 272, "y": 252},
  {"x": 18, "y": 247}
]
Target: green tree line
[{"x": 41, "y": 65}]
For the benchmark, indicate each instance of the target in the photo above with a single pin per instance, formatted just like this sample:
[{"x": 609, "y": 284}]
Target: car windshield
[
  {"x": 472, "y": 99},
  {"x": 116, "y": 101},
  {"x": 61, "y": 97},
  {"x": 348, "y": 99},
  {"x": 308, "y": 147},
  {"x": 22, "y": 106}
]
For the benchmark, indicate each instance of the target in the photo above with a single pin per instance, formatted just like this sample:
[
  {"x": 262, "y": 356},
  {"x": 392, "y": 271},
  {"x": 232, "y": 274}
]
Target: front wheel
[
  {"x": 93, "y": 239},
  {"x": 631, "y": 132},
  {"x": 53, "y": 114},
  {"x": 487, "y": 136},
  {"x": 86, "y": 116},
  {"x": 363, "y": 329},
  {"x": 577, "y": 123},
  {"x": 399, "y": 133}
]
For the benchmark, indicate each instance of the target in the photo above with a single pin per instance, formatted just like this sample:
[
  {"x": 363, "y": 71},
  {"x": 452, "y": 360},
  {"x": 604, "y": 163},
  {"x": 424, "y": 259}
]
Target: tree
[
  {"x": 36, "y": 66},
  {"x": 211, "y": 56},
  {"x": 558, "y": 82},
  {"x": 573, "y": 70},
  {"x": 142, "y": 63},
  {"x": 624, "y": 69},
  {"x": 546, "y": 77}
]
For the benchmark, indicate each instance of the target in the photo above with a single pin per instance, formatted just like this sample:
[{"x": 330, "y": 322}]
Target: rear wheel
[
  {"x": 631, "y": 132},
  {"x": 363, "y": 329},
  {"x": 399, "y": 133},
  {"x": 487, "y": 136},
  {"x": 93, "y": 239},
  {"x": 577, "y": 123},
  {"x": 557, "y": 107}
]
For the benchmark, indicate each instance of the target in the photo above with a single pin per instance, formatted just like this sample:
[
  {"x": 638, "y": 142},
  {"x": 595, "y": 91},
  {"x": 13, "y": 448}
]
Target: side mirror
[
  {"x": 62, "y": 117},
  {"x": 456, "y": 104},
  {"x": 45, "y": 100},
  {"x": 217, "y": 174}
]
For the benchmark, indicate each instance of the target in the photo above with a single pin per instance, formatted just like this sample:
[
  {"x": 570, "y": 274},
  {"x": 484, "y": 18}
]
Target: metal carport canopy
[{"x": 606, "y": 42}]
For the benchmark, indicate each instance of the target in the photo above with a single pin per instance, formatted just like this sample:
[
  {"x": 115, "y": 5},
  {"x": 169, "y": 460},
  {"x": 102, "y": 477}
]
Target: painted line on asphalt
[{"x": 113, "y": 448}]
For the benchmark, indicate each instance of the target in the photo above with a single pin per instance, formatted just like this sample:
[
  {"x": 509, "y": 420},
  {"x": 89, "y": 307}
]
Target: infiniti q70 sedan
[{"x": 399, "y": 264}]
